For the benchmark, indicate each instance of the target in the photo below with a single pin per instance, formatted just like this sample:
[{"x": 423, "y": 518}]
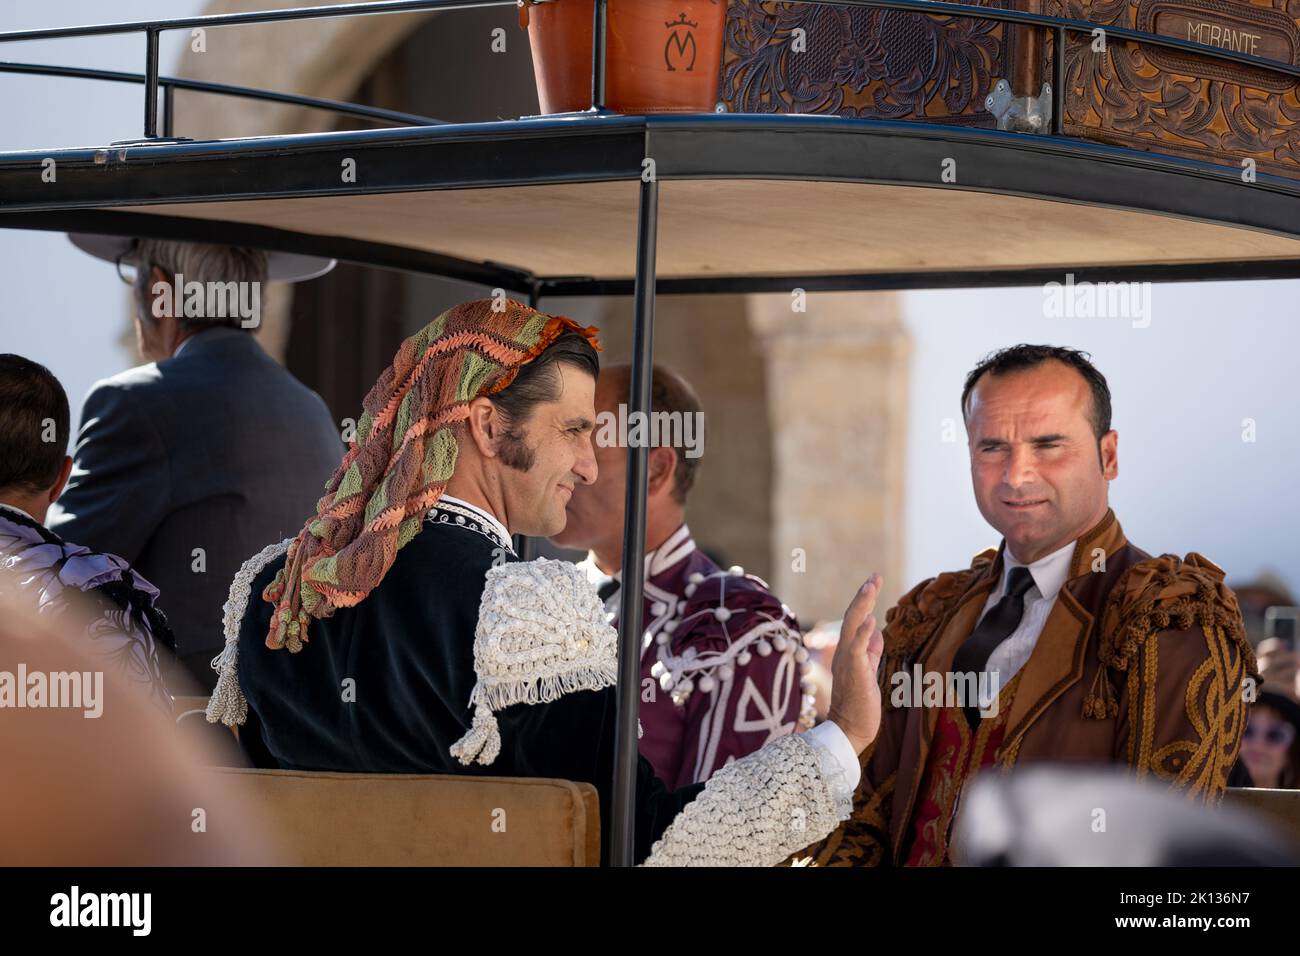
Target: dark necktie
[
  {"x": 607, "y": 589},
  {"x": 998, "y": 624}
]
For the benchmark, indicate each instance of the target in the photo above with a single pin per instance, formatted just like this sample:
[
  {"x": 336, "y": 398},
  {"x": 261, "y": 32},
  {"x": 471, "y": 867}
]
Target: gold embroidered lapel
[{"x": 1055, "y": 664}]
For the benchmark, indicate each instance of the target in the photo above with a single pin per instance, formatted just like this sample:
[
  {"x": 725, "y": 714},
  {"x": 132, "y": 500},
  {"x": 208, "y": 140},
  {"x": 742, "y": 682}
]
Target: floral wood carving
[
  {"x": 857, "y": 62},
  {"x": 1136, "y": 96}
]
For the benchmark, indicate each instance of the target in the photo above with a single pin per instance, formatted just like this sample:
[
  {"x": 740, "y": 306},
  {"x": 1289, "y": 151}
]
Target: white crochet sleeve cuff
[{"x": 760, "y": 809}]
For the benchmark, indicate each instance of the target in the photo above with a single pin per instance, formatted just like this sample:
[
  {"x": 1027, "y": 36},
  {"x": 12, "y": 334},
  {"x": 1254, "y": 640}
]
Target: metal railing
[
  {"x": 170, "y": 83},
  {"x": 1059, "y": 27},
  {"x": 152, "y": 29}
]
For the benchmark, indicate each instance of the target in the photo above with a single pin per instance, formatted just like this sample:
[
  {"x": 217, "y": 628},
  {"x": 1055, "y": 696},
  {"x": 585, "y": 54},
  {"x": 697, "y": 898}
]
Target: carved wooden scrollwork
[
  {"x": 887, "y": 64},
  {"x": 1138, "y": 96},
  {"x": 877, "y": 64}
]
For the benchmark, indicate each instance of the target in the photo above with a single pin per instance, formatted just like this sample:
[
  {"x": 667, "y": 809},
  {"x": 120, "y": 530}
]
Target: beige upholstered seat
[{"x": 370, "y": 819}]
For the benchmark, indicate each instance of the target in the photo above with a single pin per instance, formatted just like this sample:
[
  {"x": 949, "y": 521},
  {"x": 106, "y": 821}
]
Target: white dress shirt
[
  {"x": 827, "y": 738},
  {"x": 1050, "y": 574}
]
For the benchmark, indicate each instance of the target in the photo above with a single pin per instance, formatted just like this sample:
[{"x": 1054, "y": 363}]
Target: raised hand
[{"x": 855, "y": 692}]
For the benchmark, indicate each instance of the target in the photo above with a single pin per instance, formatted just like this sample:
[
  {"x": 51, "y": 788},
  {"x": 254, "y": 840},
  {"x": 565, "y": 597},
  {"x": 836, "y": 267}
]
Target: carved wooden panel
[
  {"x": 1187, "y": 105},
  {"x": 869, "y": 63}
]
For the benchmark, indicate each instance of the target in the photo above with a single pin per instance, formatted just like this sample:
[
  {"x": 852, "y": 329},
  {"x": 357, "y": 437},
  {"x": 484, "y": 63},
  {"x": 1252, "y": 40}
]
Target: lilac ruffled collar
[{"x": 39, "y": 557}]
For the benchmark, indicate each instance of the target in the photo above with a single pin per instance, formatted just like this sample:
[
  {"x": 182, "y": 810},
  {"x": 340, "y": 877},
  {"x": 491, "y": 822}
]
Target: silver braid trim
[{"x": 227, "y": 705}]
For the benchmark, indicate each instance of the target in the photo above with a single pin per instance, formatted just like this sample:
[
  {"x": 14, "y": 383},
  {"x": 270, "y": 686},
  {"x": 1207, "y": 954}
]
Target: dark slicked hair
[
  {"x": 1019, "y": 358},
  {"x": 537, "y": 382},
  {"x": 31, "y": 398}
]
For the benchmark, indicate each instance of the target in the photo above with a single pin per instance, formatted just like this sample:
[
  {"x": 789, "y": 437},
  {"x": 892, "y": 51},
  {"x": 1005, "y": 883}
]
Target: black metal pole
[
  {"x": 151, "y": 84},
  {"x": 1058, "y": 81},
  {"x": 623, "y": 826},
  {"x": 169, "y": 110},
  {"x": 598, "y": 38}
]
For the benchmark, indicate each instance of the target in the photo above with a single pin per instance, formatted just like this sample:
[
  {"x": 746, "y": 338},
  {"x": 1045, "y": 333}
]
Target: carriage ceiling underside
[{"x": 753, "y": 228}]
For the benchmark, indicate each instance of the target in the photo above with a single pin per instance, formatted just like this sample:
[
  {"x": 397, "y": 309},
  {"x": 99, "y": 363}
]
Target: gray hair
[{"x": 197, "y": 262}]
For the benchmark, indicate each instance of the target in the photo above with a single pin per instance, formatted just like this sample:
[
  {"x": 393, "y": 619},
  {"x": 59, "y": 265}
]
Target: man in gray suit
[{"x": 189, "y": 465}]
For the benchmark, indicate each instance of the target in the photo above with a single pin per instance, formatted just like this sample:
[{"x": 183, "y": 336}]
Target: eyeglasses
[
  {"x": 126, "y": 268},
  {"x": 1279, "y": 735}
]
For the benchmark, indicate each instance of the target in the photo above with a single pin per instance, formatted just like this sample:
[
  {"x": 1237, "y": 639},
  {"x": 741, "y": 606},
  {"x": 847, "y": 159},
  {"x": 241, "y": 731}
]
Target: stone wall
[{"x": 837, "y": 378}]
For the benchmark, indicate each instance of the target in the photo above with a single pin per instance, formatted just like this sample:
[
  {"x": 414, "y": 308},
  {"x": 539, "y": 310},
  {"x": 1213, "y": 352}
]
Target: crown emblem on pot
[{"x": 681, "y": 21}]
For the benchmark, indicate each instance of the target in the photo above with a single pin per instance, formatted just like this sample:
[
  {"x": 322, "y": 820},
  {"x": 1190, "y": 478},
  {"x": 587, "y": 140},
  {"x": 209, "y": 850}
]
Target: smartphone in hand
[{"x": 1280, "y": 622}]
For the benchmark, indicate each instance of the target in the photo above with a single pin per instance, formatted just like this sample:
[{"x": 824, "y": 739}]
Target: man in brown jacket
[{"x": 1067, "y": 643}]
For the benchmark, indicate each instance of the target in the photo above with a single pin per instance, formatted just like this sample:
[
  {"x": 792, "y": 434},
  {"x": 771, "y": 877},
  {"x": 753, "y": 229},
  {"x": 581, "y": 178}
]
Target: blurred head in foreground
[
  {"x": 1058, "y": 816},
  {"x": 117, "y": 789}
]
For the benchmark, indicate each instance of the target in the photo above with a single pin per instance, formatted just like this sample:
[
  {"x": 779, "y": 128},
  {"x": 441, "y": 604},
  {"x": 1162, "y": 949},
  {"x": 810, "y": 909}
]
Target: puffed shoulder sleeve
[{"x": 1175, "y": 644}]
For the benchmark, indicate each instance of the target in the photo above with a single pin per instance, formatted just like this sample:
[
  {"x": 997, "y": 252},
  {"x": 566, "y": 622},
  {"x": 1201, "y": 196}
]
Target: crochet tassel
[
  {"x": 482, "y": 742},
  {"x": 227, "y": 704}
]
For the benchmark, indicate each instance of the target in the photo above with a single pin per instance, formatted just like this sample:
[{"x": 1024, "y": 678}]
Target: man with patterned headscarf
[{"x": 398, "y": 632}]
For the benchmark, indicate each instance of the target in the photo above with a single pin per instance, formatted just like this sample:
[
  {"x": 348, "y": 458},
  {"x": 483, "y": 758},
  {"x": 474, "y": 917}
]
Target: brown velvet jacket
[{"x": 1142, "y": 662}]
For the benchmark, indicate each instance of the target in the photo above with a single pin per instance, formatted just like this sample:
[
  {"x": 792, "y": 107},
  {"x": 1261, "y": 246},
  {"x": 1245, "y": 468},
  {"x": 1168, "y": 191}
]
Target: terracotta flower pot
[{"x": 663, "y": 56}]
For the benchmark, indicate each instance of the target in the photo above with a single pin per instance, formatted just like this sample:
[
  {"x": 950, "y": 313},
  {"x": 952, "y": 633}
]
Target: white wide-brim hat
[{"x": 280, "y": 266}]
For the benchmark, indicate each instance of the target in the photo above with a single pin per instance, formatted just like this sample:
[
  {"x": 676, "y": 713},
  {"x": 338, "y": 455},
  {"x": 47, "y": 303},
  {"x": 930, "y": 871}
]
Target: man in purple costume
[{"x": 722, "y": 661}]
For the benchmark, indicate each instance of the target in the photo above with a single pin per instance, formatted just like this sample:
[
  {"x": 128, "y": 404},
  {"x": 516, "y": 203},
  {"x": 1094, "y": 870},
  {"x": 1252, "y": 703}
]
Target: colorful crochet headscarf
[{"x": 403, "y": 455}]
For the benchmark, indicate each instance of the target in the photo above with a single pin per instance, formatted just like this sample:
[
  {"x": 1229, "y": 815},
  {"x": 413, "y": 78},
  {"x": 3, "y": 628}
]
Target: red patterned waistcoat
[{"x": 957, "y": 754}]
